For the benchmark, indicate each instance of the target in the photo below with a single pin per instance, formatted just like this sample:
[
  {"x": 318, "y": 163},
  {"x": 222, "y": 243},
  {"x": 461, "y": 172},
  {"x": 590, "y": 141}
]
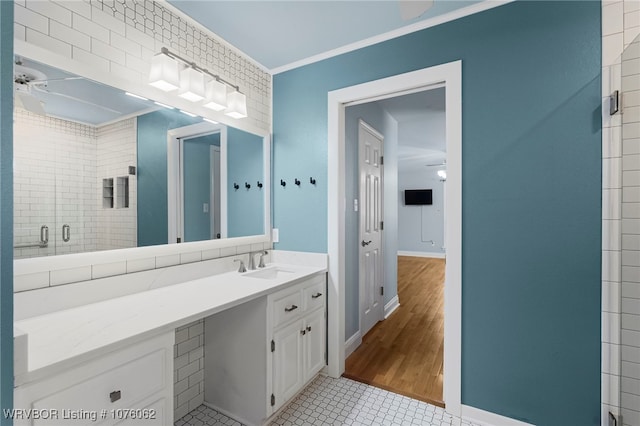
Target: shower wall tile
[{"x": 116, "y": 151}]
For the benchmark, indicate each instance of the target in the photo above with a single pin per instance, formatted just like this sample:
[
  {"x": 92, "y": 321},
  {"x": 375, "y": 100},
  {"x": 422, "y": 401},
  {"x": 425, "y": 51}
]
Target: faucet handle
[
  {"x": 241, "y": 268},
  {"x": 261, "y": 264}
]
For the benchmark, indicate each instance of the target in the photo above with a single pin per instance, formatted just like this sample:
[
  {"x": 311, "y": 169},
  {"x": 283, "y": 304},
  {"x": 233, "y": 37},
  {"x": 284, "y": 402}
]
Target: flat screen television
[{"x": 417, "y": 197}]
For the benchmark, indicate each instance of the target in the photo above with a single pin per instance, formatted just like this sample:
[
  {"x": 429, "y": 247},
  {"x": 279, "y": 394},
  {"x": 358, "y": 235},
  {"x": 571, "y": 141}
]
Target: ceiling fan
[
  {"x": 28, "y": 83},
  {"x": 410, "y": 9}
]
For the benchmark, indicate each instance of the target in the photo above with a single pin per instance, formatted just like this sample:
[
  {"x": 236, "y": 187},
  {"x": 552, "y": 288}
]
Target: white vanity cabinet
[
  {"x": 130, "y": 386},
  {"x": 298, "y": 342},
  {"x": 260, "y": 354}
]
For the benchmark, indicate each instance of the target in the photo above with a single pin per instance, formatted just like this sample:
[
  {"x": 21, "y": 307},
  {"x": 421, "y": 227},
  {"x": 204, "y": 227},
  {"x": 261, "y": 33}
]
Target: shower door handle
[
  {"x": 44, "y": 235},
  {"x": 66, "y": 233}
]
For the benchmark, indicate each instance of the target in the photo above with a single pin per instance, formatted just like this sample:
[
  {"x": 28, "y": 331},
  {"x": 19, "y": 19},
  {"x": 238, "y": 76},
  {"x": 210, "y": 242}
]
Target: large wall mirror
[{"x": 98, "y": 169}]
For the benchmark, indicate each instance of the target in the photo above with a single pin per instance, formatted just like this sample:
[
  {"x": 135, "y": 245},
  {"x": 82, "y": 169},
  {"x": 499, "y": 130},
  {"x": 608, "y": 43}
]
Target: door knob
[{"x": 365, "y": 243}]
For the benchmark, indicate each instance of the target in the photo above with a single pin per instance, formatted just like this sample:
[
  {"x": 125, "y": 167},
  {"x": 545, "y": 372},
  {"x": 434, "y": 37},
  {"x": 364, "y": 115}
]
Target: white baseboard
[
  {"x": 486, "y": 418},
  {"x": 390, "y": 307},
  {"x": 352, "y": 344},
  {"x": 421, "y": 254}
]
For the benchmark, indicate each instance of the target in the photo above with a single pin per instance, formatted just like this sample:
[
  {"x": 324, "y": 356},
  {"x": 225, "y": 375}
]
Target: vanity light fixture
[
  {"x": 191, "y": 85},
  {"x": 164, "y": 73},
  {"x": 216, "y": 93},
  {"x": 237, "y": 105},
  {"x": 215, "y": 96}
]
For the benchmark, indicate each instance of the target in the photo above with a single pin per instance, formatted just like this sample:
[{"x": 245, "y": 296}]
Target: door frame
[
  {"x": 174, "y": 194},
  {"x": 449, "y": 74},
  {"x": 361, "y": 281}
]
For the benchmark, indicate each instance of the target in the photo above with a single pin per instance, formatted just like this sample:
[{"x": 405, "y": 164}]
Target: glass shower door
[{"x": 630, "y": 239}]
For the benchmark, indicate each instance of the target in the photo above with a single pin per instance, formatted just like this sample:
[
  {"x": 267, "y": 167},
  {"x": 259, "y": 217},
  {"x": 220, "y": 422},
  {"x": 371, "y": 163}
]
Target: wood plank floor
[{"x": 404, "y": 353}]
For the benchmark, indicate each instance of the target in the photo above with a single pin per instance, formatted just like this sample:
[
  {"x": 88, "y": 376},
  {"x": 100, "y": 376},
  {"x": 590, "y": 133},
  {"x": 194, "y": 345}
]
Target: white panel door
[
  {"x": 287, "y": 363},
  {"x": 370, "y": 144},
  {"x": 314, "y": 344}
]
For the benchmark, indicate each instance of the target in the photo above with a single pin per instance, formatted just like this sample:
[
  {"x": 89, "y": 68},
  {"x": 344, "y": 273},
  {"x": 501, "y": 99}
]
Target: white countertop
[{"x": 64, "y": 338}]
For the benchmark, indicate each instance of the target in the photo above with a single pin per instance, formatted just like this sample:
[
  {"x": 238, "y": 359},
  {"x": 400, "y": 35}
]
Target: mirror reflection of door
[{"x": 200, "y": 187}]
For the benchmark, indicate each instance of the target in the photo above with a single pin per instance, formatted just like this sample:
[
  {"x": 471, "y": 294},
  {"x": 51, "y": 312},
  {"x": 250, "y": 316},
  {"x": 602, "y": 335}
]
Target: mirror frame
[
  {"x": 67, "y": 261},
  {"x": 193, "y": 130}
]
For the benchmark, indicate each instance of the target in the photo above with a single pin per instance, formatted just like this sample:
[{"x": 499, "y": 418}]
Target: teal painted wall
[
  {"x": 531, "y": 194},
  {"x": 152, "y": 173},
  {"x": 197, "y": 186},
  {"x": 6, "y": 208},
  {"x": 245, "y": 164}
]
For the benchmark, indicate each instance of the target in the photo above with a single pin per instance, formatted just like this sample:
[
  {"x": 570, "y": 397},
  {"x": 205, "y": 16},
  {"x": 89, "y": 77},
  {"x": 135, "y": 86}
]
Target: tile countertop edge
[{"x": 56, "y": 341}]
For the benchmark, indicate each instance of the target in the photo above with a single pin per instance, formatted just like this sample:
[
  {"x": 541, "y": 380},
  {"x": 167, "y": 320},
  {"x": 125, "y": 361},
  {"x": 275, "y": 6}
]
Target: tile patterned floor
[{"x": 328, "y": 401}]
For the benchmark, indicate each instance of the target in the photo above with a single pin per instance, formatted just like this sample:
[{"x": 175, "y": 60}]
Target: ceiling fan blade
[
  {"x": 410, "y": 9},
  {"x": 73, "y": 98},
  {"x": 31, "y": 103}
]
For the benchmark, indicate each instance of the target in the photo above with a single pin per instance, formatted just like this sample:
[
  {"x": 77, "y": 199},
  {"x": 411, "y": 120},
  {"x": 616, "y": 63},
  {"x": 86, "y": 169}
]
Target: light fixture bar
[{"x": 166, "y": 51}]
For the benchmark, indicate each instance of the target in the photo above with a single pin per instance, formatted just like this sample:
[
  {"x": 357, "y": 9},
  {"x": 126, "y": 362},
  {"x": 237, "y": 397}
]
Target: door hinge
[
  {"x": 382, "y": 225},
  {"x": 273, "y": 400},
  {"x": 382, "y": 159},
  {"x": 273, "y": 346},
  {"x": 381, "y": 291}
]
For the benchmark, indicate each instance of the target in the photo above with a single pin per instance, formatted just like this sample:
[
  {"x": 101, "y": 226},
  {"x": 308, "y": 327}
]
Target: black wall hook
[
  {"x": 259, "y": 184},
  {"x": 296, "y": 181},
  {"x": 312, "y": 181},
  {"x": 236, "y": 186},
  {"x": 246, "y": 185},
  {"x": 283, "y": 183}
]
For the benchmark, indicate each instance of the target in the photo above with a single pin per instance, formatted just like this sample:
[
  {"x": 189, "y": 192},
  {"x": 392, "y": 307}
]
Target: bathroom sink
[{"x": 269, "y": 273}]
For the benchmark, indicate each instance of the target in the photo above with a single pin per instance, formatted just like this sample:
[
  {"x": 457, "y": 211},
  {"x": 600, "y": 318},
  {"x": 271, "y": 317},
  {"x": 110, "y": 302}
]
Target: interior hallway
[{"x": 404, "y": 353}]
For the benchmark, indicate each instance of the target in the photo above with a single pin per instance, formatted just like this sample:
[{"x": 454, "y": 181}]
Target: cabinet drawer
[
  {"x": 314, "y": 294},
  {"x": 287, "y": 307},
  {"x": 120, "y": 387}
]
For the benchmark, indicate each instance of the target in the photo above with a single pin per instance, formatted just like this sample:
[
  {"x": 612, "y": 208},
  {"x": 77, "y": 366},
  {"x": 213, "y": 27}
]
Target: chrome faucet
[
  {"x": 241, "y": 268},
  {"x": 252, "y": 263}
]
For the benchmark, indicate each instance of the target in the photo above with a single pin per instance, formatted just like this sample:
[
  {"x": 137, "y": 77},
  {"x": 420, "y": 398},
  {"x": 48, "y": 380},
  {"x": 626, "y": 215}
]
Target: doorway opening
[
  {"x": 197, "y": 176},
  {"x": 449, "y": 77},
  {"x": 402, "y": 266}
]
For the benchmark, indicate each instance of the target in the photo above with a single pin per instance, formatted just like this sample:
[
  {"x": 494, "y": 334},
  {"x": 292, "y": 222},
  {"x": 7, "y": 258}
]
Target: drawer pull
[
  {"x": 315, "y": 296},
  {"x": 115, "y": 395},
  {"x": 291, "y": 308}
]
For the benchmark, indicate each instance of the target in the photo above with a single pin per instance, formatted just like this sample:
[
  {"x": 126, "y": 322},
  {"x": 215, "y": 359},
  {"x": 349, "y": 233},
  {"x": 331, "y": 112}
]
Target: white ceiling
[
  {"x": 421, "y": 128},
  {"x": 280, "y": 33}
]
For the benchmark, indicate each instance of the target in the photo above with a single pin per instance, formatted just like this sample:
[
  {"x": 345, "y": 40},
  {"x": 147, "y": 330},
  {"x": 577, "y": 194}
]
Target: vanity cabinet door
[
  {"x": 132, "y": 385},
  {"x": 314, "y": 344},
  {"x": 287, "y": 363}
]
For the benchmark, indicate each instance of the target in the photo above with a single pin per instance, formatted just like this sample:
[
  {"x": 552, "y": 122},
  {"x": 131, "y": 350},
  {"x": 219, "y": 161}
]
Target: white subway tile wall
[
  {"x": 116, "y": 151},
  {"x": 630, "y": 239},
  {"x": 55, "y": 184},
  {"x": 59, "y": 167},
  {"x": 120, "y": 36},
  {"x": 188, "y": 368},
  {"x": 621, "y": 218}
]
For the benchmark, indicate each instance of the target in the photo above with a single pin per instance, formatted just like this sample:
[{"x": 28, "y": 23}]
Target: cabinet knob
[
  {"x": 308, "y": 328},
  {"x": 303, "y": 332},
  {"x": 315, "y": 296},
  {"x": 115, "y": 395},
  {"x": 291, "y": 308}
]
